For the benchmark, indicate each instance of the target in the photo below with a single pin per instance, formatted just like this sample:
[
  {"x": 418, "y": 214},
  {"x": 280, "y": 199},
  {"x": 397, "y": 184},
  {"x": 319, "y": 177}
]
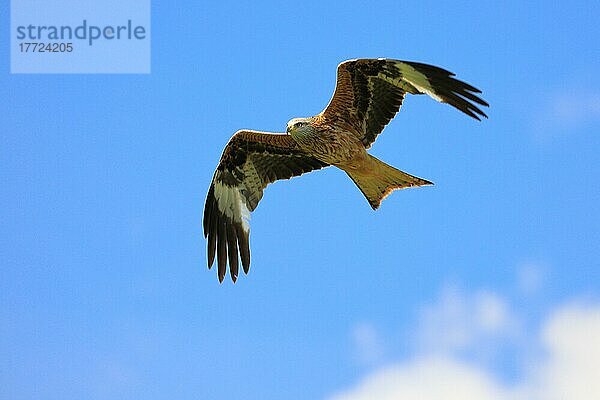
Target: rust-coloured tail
[{"x": 378, "y": 179}]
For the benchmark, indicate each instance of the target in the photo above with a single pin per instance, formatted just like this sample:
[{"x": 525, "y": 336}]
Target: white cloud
[
  {"x": 427, "y": 378},
  {"x": 572, "y": 370},
  {"x": 569, "y": 368}
]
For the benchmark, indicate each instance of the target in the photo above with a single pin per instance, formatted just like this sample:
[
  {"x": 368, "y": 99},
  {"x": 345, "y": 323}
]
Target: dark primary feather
[
  {"x": 250, "y": 161},
  {"x": 454, "y": 92},
  {"x": 369, "y": 93}
]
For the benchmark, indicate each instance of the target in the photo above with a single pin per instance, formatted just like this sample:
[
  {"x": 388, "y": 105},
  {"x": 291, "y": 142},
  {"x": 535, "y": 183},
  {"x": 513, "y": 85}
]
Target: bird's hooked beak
[{"x": 288, "y": 129}]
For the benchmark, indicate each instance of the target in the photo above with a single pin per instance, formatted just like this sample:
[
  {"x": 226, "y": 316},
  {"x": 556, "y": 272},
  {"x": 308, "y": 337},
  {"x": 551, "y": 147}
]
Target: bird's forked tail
[{"x": 378, "y": 179}]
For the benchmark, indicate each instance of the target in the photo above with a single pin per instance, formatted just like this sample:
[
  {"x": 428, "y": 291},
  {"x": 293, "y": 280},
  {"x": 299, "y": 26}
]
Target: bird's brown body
[{"x": 333, "y": 145}]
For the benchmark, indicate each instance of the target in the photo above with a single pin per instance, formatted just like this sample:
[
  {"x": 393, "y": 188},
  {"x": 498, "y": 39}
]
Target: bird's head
[{"x": 298, "y": 125}]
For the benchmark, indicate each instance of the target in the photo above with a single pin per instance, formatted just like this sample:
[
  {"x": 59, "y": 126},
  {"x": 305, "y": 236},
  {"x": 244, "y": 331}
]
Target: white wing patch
[
  {"x": 413, "y": 77},
  {"x": 232, "y": 204}
]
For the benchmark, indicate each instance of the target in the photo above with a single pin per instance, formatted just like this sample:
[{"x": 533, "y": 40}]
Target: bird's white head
[{"x": 298, "y": 125}]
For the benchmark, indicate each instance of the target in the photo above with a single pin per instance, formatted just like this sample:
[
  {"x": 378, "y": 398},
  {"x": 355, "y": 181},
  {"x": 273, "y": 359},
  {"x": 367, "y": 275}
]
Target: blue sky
[{"x": 104, "y": 291}]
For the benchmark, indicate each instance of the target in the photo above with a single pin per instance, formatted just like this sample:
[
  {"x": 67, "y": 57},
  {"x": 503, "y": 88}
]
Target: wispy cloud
[
  {"x": 367, "y": 344},
  {"x": 458, "y": 321},
  {"x": 567, "y": 368},
  {"x": 576, "y": 108},
  {"x": 565, "y": 112},
  {"x": 530, "y": 278}
]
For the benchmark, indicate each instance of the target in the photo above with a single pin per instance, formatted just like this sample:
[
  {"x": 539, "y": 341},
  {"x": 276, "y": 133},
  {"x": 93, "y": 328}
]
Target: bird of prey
[{"x": 368, "y": 94}]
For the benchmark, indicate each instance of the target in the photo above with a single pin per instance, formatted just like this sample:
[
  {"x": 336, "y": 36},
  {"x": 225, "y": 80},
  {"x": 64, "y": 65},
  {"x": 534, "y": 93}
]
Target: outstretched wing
[
  {"x": 251, "y": 160},
  {"x": 369, "y": 93}
]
